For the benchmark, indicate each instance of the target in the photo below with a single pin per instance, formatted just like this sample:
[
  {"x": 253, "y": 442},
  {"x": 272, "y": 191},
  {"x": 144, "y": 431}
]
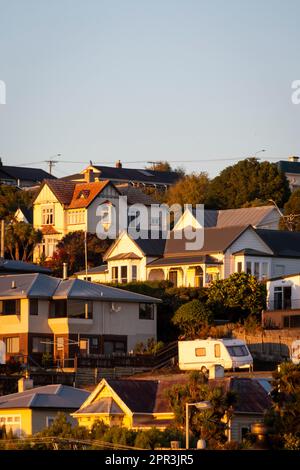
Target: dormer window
[{"x": 83, "y": 194}]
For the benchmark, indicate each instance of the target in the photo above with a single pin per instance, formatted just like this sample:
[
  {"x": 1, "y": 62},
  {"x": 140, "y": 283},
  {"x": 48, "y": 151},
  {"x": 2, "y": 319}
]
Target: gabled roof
[
  {"x": 50, "y": 396},
  {"x": 35, "y": 175},
  {"x": 130, "y": 255},
  {"x": 43, "y": 286},
  {"x": 150, "y": 396},
  {"x": 85, "y": 193},
  {"x": 27, "y": 213},
  {"x": 148, "y": 246},
  {"x": 244, "y": 216},
  {"x": 282, "y": 243},
  {"x": 63, "y": 190}
]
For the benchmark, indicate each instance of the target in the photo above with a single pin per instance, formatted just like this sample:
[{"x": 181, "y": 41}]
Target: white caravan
[
  {"x": 202, "y": 354},
  {"x": 295, "y": 352}
]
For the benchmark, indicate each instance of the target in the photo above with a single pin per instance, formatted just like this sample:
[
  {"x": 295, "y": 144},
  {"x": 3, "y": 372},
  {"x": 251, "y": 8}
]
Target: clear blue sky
[{"x": 141, "y": 80}]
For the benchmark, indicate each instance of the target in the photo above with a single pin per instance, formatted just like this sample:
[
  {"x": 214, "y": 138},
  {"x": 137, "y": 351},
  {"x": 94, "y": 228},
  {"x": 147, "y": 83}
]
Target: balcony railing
[{"x": 283, "y": 304}]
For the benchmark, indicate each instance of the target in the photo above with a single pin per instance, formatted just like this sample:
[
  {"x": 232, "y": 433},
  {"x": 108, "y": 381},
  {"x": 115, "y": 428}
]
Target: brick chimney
[
  {"x": 89, "y": 175},
  {"x": 119, "y": 164},
  {"x": 24, "y": 384}
]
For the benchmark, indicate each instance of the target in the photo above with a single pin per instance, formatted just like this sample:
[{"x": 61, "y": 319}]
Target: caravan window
[
  {"x": 217, "y": 350},
  {"x": 199, "y": 352},
  {"x": 237, "y": 351}
]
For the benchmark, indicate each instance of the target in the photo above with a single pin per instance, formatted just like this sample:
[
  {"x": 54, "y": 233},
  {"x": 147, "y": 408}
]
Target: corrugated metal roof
[
  {"x": 23, "y": 173},
  {"x": 282, "y": 243},
  {"x": 135, "y": 195},
  {"x": 43, "y": 286},
  {"x": 49, "y": 396},
  {"x": 95, "y": 270},
  {"x": 244, "y": 216},
  {"x": 289, "y": 167},
  {"x": 8, "y": 266},
  {"x": 104, "y": 405}
]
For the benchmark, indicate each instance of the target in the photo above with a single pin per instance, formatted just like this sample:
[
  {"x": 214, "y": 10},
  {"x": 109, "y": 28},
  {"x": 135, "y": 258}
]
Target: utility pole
[
  {"x": 86, "y": 255},
  {"x": 52, "y": 162},
  {"x": 2, "y": 239}
]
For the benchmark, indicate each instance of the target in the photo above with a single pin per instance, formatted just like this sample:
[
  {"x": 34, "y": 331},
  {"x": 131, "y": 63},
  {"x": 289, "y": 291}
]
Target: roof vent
[
  {"x": 13, "y": 285},
  {"x": 293, "y": 158}
]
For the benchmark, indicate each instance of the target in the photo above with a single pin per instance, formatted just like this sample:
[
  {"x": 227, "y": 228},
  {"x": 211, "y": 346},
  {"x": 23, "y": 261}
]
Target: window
[
  {"x": 282, "y": 297},
  {"x": 124, "y": 274},
  {"x": 200, "y": 352},
  {"x": 12, "y": 423},
  {"x": 48, "y": 246},
  {"x": 10, "y": 307},
  {"x": 256, "y": 270},
  {"x": 41, "y": 345},
  {"x": 217, "y": 350},
  {"x": 115, "y": 274},
  {"x": 264, "y": 270},
  {"x": 248, "y": 267},
  {"x": 76, "y": 217},
  {"x": 47, "y": 216},
  {"x": 12, "y": 345},
  {"x": 71, "y": 309},
  {"x": 33, "y": 307},
  {"x": 134, "y": 272},
  {"x": 291, "y": 321},
  {"x": 237, "y": 351},
  {"x": 239, "y": 267},
  {"x": 49, "y": 421},
  {"x": 60, "y": 341},
  {"x": 146, "y": 312},
  {"x": 114, "y": 346},
  {"x": 173, "y": 277}
]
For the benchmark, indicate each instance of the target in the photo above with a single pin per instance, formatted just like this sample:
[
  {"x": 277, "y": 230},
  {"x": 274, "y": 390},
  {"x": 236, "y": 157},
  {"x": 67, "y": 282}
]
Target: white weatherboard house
[
  {"x": 227, "y": 249},
  {"x": 42, "y": 314},
  {"x": 283, "y": 302}
]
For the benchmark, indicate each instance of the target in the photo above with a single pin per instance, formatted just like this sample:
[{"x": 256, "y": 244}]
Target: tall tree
[
  {"x": 191, "y": 189},
  {"x": 247, "y": 181},
  {"x": 20, "y": 240},
  {"x": 71, "y": 250},
  {"x": 237, "y": 296},
  {"x": 211, "y": 424},
  {"x": 160, "y": 166},
  {"x": 292, "y": 213},
  {"x": 284, "y": 416},
  {"x": 11, "y": 198}
]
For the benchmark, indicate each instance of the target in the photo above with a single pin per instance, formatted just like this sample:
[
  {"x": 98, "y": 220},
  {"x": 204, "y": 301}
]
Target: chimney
[
  {"x": 119, "y": 164},
  {"x": 293, "y": 158},
  {"x": 89, "y": 175},
  {"x": 65, "y": 271},
  {"x": 24, "y": 384},
  {"x": 13, "y": 285}
]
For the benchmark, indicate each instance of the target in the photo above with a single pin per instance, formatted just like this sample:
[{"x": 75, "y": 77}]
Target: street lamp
[{"x": 201, "y": 406}]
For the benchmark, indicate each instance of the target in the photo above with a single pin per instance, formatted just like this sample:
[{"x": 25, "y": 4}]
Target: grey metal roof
[
  {"x": 289, "y": 167},
  {"x": 232, "y": 217},
  {"x": 8, "y": 266},
  {"x": 35, "y": 175},
  {"x": 132, "y": 175},
  {"x": 251, "y": 252},
  {"x": 43, "y": 286},
  {"x": 181, "y": 260},
  {"x": 95, "y": 270},
  {"x": 135, "y": 195},
  {"x": 282, "y": 243},
  {"x": 104, "y": 405},
  {"x": 49, "y": 396}
]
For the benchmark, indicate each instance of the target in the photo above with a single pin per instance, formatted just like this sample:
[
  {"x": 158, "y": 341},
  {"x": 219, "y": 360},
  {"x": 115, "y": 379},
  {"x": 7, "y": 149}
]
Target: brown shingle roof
[
  {"x": 63, "y": 190},
  {"x": 49, "y": 230}
]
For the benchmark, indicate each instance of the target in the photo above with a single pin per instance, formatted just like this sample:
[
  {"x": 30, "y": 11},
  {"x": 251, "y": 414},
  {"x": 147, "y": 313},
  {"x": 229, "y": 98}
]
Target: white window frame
[
  {"x": 49, "y": 420},
  {"x": 6, "y": 424},
  {"x": 47, "y": 212}
]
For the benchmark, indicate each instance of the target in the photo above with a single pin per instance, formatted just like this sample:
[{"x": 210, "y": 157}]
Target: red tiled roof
[
  {"x": 85, "y": 193},
  {"x": 49, "y": 230}
]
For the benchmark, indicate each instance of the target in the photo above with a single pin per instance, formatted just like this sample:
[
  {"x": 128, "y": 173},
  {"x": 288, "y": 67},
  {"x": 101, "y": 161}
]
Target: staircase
[{"x": 168, "y": 355}]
